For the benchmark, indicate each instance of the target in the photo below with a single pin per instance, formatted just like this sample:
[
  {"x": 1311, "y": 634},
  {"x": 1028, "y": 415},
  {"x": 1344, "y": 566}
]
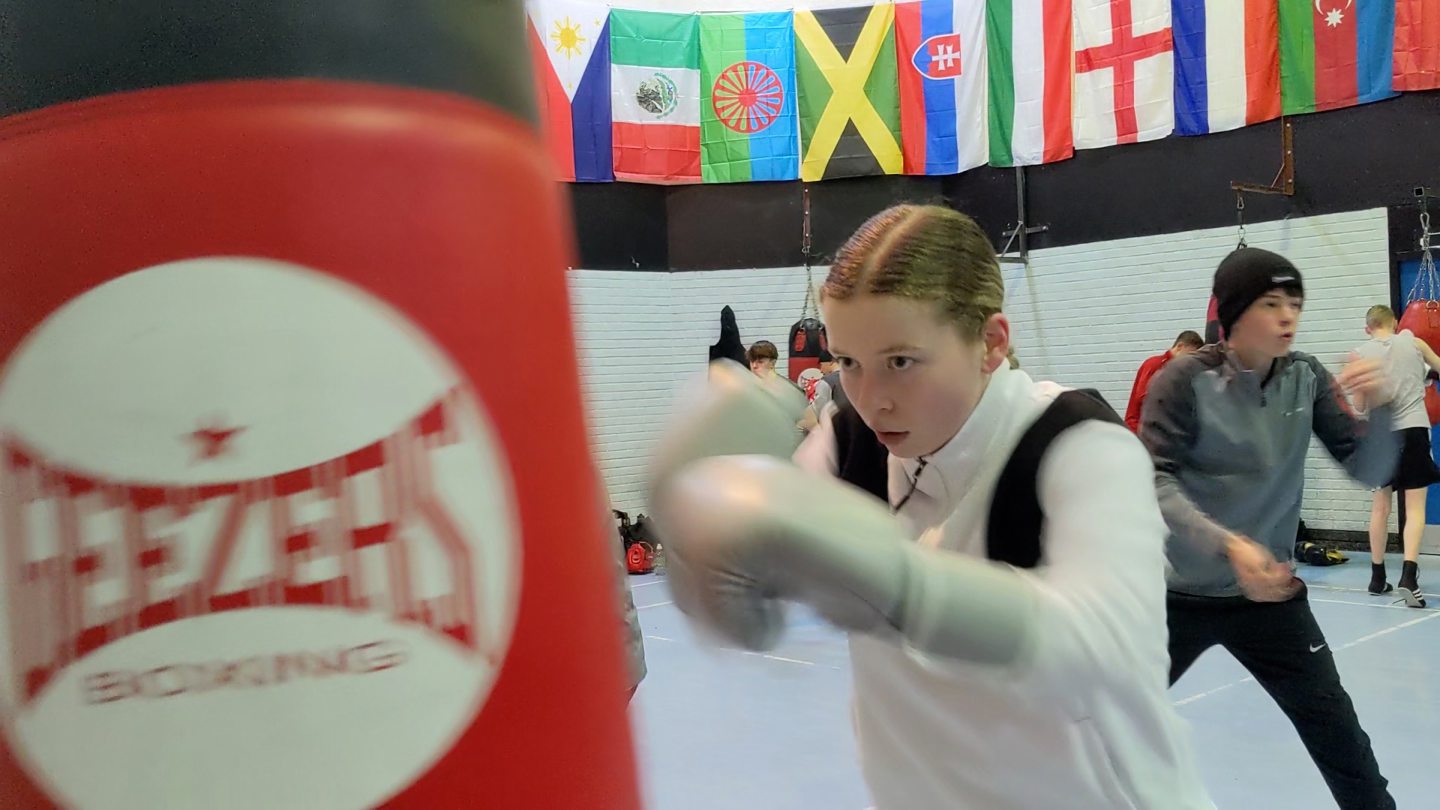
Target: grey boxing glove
[
  {"x": 736, "y": 413},
  {"x": 738, "y": 549}
]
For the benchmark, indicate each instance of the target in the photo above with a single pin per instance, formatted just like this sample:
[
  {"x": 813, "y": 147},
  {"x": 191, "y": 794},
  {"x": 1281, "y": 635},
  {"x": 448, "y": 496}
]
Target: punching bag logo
[{"x": 249, "y": 503}]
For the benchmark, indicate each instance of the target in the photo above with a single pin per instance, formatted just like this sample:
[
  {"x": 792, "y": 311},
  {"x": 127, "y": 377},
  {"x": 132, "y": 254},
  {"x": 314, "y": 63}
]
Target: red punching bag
[
  {"x": 1422, "y": 317},
  {"x": 277, "y": 525},
  {"x": 1213, "y": 332},
  {"x": 1422, "y": 314},
  {"x": 1432, "y": 403},
  {"x": 1422, "y": 307},
  {"x": 807, "y": 347}
]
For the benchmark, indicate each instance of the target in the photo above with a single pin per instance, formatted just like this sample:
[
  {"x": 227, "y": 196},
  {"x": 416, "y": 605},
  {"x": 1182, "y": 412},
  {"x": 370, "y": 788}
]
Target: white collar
[{"x": 952, "y": 470}]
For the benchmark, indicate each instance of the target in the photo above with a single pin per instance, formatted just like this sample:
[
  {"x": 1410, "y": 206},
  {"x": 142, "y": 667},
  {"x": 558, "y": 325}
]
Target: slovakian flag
[
  {"x": 570, "y": 46},
  {"x": 1032, "y": 73},
  {"x": 749, "y": 127},
  {"x": 1417, "y": 45},
  {"x": 940, "y": 47},
  {"x": 1335, "y": 53},
  {"x": 1124, "y": 72},
  {"x": 655, "y": 96},
  {"x": 1227, "y": 64}
]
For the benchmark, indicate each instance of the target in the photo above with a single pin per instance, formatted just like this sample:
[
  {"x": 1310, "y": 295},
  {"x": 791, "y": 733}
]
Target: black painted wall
[{"x": 1364, "y": 157}]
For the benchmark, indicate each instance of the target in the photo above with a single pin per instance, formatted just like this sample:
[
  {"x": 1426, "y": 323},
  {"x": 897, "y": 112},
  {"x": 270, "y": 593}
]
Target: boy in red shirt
[{"x": 1187, "y": 342}]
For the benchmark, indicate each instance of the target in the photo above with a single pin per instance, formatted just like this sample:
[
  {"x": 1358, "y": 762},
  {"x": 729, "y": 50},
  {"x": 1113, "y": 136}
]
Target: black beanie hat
[{"x": 1245, "y": 276}]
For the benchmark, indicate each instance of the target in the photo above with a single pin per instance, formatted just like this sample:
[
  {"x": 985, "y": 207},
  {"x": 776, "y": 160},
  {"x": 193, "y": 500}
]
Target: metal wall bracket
[
  {"x": 1284, "y": 182},
  {"x": 1019, "y": 236}
]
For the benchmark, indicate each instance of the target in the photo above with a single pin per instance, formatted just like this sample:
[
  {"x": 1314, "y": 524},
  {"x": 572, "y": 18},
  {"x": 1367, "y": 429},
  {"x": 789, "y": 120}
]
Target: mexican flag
[
  {"x": 1031, "y": 72},
  {"x": 1335, "y": 53},
  {"x": 749, "y": 128},
  {"x": 655, "y": 96}
]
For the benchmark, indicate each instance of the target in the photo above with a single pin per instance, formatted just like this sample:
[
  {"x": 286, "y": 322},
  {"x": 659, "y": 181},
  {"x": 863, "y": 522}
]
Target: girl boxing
[{"x": 992, "y": 544}]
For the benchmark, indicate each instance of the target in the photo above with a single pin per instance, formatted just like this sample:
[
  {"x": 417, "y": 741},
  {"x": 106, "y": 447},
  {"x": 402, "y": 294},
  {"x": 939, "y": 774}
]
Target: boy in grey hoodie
[{"x": 1229, "y": 427}]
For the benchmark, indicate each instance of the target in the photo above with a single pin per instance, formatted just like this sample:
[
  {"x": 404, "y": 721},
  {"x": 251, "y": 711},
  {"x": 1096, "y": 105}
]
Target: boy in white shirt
[{"x": 1406, "y": 359}]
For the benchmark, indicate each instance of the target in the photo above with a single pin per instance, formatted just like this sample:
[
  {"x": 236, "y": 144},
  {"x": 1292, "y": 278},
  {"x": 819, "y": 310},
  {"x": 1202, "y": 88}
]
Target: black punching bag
[{"x": 807, "y": 346}]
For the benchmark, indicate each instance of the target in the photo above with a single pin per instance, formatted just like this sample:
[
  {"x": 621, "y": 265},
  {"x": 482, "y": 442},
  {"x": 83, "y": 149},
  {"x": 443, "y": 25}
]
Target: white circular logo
[{"x": 258, "y": 544}]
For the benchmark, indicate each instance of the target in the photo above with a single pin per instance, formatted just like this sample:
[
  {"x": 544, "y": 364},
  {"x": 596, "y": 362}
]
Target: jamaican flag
[{"x": 846, "y": 82}]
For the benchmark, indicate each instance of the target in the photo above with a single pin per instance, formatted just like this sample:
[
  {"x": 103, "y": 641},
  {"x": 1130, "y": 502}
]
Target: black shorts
[{"x": 1416, "y": 469}]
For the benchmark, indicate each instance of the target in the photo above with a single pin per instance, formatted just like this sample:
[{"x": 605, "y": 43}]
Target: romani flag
[
  {"x": 749, "y": 128},
  {"x": 655, "y": 96},
  {"x": 1032, "y": 73},
  {"x": 845, "y": 73},
  {"x": 570, "y": 45},
  {"x": 940, "y": 45},
  {"x": 1335, "y": 53}
]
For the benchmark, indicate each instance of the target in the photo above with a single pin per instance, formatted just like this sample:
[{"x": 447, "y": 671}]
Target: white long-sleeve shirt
[{"x": 1083, "y": 720}]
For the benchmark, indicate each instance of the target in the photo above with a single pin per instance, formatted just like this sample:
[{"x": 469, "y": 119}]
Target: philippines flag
[
  {"x": 570, "y": 46},
  {"x": 1227, "y": 64},
  {"x": 944, "y": 91}
]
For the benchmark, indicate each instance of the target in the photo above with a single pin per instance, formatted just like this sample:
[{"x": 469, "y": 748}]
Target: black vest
[{"x": 1016, "y": 516}]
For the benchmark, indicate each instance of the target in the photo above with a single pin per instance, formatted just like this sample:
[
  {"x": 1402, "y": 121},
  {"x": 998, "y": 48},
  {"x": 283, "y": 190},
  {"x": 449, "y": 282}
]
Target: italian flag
[
  {"x": 655, "y": 96},
  {"x": 1335, "y": 53},
  {"x": 1031, "y": 75}
]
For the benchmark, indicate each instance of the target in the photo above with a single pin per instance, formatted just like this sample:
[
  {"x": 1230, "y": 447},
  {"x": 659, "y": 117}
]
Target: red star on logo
[{"x": 213, "y": 442}]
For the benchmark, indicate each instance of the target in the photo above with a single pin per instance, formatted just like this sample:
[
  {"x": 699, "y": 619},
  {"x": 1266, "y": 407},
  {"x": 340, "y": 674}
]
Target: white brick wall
[
  {"x": 1083, "y": 315},
  {"x": 643, "y": 336},
  {"x": 1090, "y": 314}
]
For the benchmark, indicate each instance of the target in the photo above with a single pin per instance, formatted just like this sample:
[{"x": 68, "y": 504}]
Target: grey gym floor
[{"x": 722, "y": 729}]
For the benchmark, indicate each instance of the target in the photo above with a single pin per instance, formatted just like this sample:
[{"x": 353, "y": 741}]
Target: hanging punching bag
[
  {"x": 279, "y": 528},
  {"x": 1432, "y": 403},
  {"x": 1422, "y": 309},
  {"x": 1422, "y": 312},
  {"x": 807, "y": 344},
  {"x": 1422, "y": 316}
]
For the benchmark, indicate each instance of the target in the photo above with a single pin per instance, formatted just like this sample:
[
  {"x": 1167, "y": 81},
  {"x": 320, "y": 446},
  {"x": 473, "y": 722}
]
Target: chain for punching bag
[
  {"x": 807, "y": 344},
  {"x": 810, "y": 307},
  {"x": 1240, "y": 219},
  {"x": 1422, "y": 306},
  {"x": 1213, "y": 332}
]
